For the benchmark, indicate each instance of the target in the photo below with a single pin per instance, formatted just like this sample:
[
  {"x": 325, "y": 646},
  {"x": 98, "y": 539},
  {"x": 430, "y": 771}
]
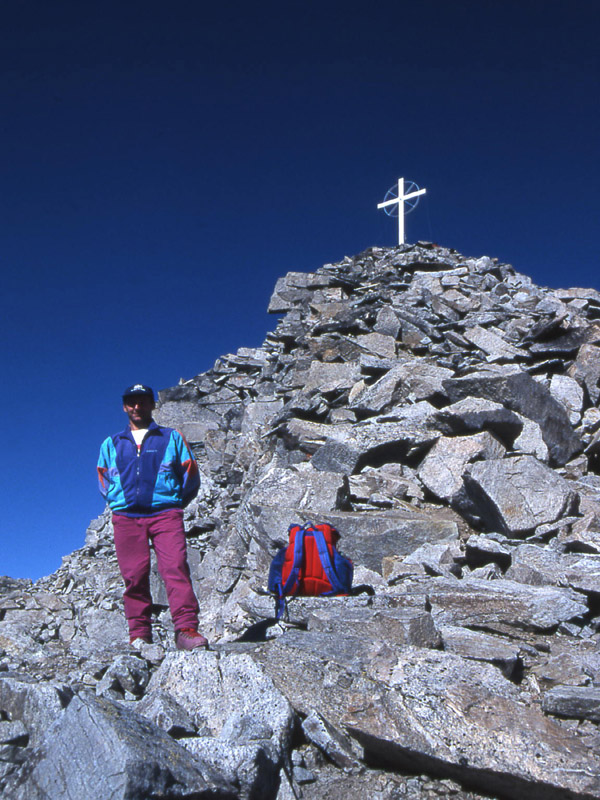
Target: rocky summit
[{"x": 440, "y": 412}]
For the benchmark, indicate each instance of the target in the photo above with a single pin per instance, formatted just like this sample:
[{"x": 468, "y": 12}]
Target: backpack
[{"x": 310, "y": 565}]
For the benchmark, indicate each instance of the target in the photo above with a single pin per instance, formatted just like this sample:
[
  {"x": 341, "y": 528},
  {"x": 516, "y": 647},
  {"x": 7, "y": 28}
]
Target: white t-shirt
[{"x": 138, "y": 436}]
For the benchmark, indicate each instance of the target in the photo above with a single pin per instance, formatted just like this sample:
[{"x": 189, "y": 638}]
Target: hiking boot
[
  {"x": 189, "y": 639},
  {"x": 136, "y": 640}
]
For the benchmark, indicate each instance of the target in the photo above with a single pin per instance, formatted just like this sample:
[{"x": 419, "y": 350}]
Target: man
[{"x": 148, "y": 474}]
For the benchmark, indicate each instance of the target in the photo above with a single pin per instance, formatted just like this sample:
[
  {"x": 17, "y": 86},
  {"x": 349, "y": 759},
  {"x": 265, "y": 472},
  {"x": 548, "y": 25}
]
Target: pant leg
[
  {"x": 133, "y": 555},
  {"x": 168, "y": 537}
]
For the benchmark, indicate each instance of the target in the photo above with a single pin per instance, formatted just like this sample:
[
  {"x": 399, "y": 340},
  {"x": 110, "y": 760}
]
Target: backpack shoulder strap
[
  {"x": 336, "y": 586},
  {"x": 298, "y": 552}
]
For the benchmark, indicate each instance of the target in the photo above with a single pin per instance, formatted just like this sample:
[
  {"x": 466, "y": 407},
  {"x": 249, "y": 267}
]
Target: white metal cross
[{"x": 400, "y": 200}]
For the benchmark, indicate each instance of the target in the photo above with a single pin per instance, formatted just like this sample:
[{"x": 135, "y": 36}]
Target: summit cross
[{"x": 400, "y": 200}]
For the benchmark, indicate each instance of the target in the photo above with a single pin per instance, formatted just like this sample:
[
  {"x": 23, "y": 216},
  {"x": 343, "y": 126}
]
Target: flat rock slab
[
  {"x": 316, "y": 671},
  {"x": 417, "y": 378},
  {"x": 500, "y": 605},
  {"x": 455, "y": 717},
  {"x": 578, "y": 702},
  {"x": 515, "y": 495},
  {"x": 386, "y": 441},
  {"x": 330, "y": 377},
  {"x": 398, "y": 625},
  {"x": 481, "y": 647},
  {"x": 321, "y": 491},
  {"x": 539, "y": 566},
  {"x": 475, "y": 414},
  {"x": 380, "y": 344},
  {"x": 369, "y": 538},
  {"x": 97, "y": 750},
  {"x": 494, "y": 345},
  {"x": 418, "y": 710}
]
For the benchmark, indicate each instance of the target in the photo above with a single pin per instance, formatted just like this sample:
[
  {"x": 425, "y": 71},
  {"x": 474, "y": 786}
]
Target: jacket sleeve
[
  {"x": 189, "y": 473},
  {"x": 103, "y": 467}
]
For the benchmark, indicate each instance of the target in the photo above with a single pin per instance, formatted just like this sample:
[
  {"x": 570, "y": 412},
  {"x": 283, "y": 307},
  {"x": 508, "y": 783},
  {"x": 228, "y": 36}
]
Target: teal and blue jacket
[{"x": 161, "y": 476}]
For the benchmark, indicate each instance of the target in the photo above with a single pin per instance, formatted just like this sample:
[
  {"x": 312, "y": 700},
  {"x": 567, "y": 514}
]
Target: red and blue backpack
[{"x": 310, "y": 565}]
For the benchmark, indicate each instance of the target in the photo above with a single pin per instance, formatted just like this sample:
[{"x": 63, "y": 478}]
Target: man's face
[{"x": 139, "y": 409}]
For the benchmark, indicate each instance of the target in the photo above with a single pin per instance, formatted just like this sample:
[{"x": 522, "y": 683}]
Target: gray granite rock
[
  {"x": 518, "y": 391},
  {"x": 387, "y": 322},
  {"x": 369, "y": 440},
  {"x": 496, "y": 348},
  {"x": 474, "y": 414},
  {"x": 480, "y": 646},
  {"x": 586, "y": 370},
  {"x": 447, "y": 711},
  {"x": 568, "y": 392},
  {"x": 99, "y": 750},
  {"x": 380, "y": 404},
  {"x": 126, "y": 674},
  {"x": 481, "y": 550},
  {"x": 377, "y": 621},
  {"x": 331, "y": 377},
  {"x": 539, "y": 566},
  {"x": 369, "y": 540},
  {"x": 339, "y": 749},
  {"x": 36, "y": 704},
  {"x": 334, "y": 456},
  {"x": 306, "y": 488},
  {"x": 579, "y": 702},
  {"x": 531, "y": 441},
  {"x": 443, "y": 468},
  {"x": 13, "y": 733},
  {"x": 439, "y": 558},
  {"x": 501, "y": 605},
  {"x": 515, "y": 495},
  {"x": 165, "y": 712},
  {"x": 244, "y": 721}
]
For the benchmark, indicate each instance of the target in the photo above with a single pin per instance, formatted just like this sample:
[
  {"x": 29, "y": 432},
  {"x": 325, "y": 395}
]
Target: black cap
[{"x": 138, "y": 390}]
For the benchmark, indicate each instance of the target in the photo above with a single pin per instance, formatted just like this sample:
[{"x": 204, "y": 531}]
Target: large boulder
[
  {"x": 455, "y": 717},
  {"x": 97, "y": 749},
  {"x": 244, "y": 723},
  {"x": 515, "y": 495},
  {"x": 500, "y": 605}
]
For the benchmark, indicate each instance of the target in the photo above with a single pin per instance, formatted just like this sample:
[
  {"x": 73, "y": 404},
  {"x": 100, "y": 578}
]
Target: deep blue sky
[{"x": 163, "y": 163}]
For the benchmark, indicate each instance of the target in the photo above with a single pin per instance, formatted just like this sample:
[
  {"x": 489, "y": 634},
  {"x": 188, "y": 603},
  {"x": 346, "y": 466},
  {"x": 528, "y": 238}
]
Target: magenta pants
[{"x": 133, "y": 538}]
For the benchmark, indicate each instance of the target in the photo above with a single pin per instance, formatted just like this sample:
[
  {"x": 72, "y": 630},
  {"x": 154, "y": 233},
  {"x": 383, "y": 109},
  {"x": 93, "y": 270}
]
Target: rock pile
[{"x": 440, "y": 411}]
